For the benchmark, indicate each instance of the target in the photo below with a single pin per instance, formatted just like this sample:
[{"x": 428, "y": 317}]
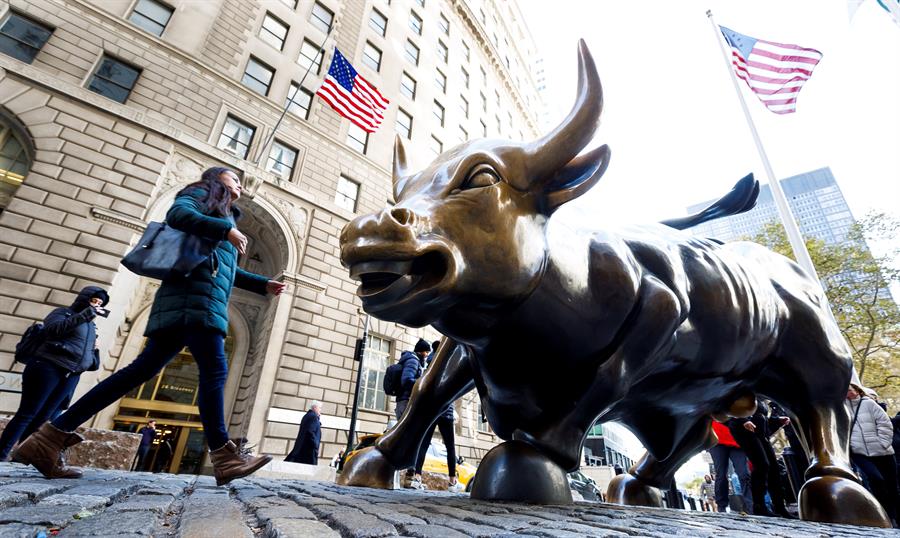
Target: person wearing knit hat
[{"x": 422, "y": 346}]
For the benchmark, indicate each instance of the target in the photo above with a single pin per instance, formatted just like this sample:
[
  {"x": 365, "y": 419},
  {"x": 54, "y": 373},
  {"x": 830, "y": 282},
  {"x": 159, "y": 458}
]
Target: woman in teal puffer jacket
[{"x": 187, "y": 311}]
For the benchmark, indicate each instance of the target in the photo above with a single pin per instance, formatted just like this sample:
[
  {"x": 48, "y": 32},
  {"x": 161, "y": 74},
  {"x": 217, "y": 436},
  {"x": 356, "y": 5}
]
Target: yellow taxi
[{"x": 435, "y": 459}]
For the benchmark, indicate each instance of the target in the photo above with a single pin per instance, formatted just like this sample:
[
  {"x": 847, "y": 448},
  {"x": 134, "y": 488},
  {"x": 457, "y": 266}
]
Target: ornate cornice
[{"x": 121, "y": 219}]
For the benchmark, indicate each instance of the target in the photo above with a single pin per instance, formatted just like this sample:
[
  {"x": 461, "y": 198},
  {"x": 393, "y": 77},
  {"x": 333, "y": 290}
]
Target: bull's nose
[{"x": 403, "y": 216}]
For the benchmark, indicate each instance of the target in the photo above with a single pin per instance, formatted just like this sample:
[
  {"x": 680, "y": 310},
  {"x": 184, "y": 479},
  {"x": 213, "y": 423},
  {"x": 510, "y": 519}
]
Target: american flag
[
  {"x": 774, "y": 71},
  {"x": 351, "y": 95}
]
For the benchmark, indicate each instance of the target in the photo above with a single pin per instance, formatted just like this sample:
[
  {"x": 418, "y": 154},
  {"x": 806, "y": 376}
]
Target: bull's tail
[{"x": 741, "y": 198}]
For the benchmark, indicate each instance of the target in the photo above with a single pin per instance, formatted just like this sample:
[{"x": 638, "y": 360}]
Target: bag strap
[{"x": 855, "y": 415}]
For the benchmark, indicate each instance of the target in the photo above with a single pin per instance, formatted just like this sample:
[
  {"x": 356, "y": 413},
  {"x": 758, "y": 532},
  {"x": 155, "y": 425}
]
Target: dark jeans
[
  {"x": 445, "y": 426},
  {"x": 721, "y": 454},
  {"x": 44, "y": 387},
  {"x": 765, "y": 474},
  {"x": 208, "y": 350},
  {"x": 140, "y": 464},
  {"x": 881, "y": 474}
]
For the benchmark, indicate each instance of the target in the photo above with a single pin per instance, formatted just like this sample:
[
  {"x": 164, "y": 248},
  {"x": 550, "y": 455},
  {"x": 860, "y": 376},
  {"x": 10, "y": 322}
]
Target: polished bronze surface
[
  {"x": 528, "y": 476},
  {"x": 558, "y": 326}
]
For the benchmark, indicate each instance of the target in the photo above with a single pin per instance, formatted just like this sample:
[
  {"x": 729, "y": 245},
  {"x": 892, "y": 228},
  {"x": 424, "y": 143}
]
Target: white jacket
[{"x": 873, "y": 432}]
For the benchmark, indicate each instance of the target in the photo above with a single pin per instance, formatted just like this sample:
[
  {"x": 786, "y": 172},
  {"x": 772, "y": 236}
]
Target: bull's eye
[{"x": 481, "y": 176}]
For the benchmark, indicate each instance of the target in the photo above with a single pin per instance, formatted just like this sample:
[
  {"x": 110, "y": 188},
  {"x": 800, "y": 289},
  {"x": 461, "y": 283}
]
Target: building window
[
  {"x": 463, "y": 134},
  {"x": 114, "y": 79},
  {"x": 483, "y": 101},
  {"x": 258, "y": 76},
  {"x": 298, "y": 100},
  {"x": 439, "y": 112},
  {"x": 408, "y": 86},
  {"x": 281, "y": 160},
  {"x": 464, "y": 106},
  {"x": 310, "y": 55},
  {"x": 444, "y": 24},
  {"x": 22, "y": 38},
  {"x": 437, "y": 147},
  {"x": 483, "y": 128},
  {"x": 321, "y": 17},
  {"x": 441, "y": 80},
  {"x": 151, "y": 15},
  {"x": 378, "y": 22},
  {"x": 465, "y": 77},
  {"x": 375, "y": 361},
  {"x": 497, "y": 119},
  {"x": 483, "y": 76},
  {"x": 273, "y": 31},
  {"x": 415, "y": 23},
  {"x": 290, "y": 3},
  {"x": 372, "y": 56},
  {"x": 357, "y": 138},
  {"x": 467, "y": 54},
  {"x": 421, "y": 3},
  {"x": 442, "y": 50},
  {"x": 236, "y": 137},
  {"x": 14, "y": 162},
  {"x": 404, "y": 123},
  {"x": 346, "y": 194},
  {"x": 412, "y": 52},
  {"x": 481, "y": 421}
]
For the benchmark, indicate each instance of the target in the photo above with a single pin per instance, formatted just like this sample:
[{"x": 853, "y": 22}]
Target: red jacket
[{"x": 725, "y": 437}]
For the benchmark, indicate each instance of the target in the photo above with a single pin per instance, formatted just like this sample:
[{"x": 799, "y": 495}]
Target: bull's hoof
[
  {"x": 626, "y": 489},
  {"x": 369, "y": 468},
  {"x": 517, "y": 471},
  {"x": 831, "y": 499}
]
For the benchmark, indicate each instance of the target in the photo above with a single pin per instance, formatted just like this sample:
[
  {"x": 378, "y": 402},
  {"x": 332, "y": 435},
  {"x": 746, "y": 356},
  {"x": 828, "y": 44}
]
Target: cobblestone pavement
[{"x": 115, "y": 503}]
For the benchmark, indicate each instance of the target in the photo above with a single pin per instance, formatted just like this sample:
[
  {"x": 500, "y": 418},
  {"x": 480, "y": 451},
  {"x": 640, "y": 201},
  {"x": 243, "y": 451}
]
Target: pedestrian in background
[
  {"x": 68, "y": 348},
  {"x": 148, "y": 432},
  {"x": 306, "y": 447},
  {"x": 708, "y": 494},
  {"x": 871, "y": 450},
  {"x": 190, "y": 311},
  {"x": 413, "y": 365},
  {"x": 728, "y": 451}
]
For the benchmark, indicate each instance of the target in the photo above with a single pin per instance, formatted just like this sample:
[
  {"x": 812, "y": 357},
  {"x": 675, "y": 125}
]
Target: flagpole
[
  {"x": 784, "y": 211},
  {"x": 290, "y": 101}
]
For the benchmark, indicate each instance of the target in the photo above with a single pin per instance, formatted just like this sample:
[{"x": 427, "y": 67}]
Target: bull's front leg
[{"x": 447, "y": 379}]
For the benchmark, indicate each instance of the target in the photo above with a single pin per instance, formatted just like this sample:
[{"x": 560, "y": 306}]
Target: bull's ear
[
  {"x": 576, "y": 178},
  {"x": 399, "y": 169}
]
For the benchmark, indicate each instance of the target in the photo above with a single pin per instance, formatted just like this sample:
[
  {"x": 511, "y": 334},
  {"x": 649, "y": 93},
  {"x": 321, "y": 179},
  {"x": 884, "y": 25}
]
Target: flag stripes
[
  {"x": 775, "y": 72},
  {"x": 352, "y": 96}
]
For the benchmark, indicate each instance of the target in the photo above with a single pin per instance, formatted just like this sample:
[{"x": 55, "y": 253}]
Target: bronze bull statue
[{"x": 558, "y": 327}]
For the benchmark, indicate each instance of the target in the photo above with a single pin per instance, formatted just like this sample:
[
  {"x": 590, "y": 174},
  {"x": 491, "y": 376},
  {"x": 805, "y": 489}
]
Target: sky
[{"x": 674, "y": 123}]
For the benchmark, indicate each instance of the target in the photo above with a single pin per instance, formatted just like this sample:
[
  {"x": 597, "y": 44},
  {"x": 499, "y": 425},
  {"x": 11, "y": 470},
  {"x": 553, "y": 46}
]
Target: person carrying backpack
[
  {"x": 55, "y": 357},
  {"x": 412, "y": 364}
]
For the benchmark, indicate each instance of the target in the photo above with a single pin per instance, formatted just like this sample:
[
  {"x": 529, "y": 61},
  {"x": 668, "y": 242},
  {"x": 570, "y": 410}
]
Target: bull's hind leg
[
  {"x": 832, "y": 492},
  {"x": 640, "y": 485}
]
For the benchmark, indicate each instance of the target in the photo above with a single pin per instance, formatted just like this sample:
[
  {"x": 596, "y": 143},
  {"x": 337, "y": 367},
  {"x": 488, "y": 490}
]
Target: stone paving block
[
  {"x": 140, "y": 503},
  {"x": 36, "y": 490},
  {"x": 212, "y": 514},
  {"x": 395, "y": 518},
  {"x": 11, "y": 498},
  {"x": 297, "y": 528},
  {"x": 578, "y": 528},
  {"x": 20, "y": 530},
  {"x": 88, "y": 502},
  {"x": 58, "y": 516},
  {"x": 109, "y": 524},
  {"x": 359, "y": 525},
  {"x": 267, "y": 502},
  {"x": 470, "y": 529},
  {"x": 283, "y": 512},
  {"x": 431, "y": 531},
  {"x": 112, "y": 493}
]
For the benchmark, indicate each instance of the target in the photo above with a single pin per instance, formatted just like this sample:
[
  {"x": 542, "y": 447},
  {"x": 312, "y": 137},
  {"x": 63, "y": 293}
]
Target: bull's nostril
[{"x": 402, "y": 215}]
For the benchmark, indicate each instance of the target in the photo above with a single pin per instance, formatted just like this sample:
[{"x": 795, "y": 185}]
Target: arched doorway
[{"x": 170, "y": 398}]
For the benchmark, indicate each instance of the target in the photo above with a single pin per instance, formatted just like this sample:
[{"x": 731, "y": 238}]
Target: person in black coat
[
  {"x": 306, "y": 447},
  {"x": 69, "y": 348},
  {"x": 413, "y": 366}
]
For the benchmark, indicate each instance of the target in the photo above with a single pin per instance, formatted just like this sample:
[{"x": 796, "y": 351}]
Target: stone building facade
[{"x": 109, "y": 107}]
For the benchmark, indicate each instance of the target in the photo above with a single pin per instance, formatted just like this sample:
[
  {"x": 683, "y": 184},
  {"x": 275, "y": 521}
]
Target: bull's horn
[
  {"x": 399, "y": 168},
  {"x": 560, "y": 146}
]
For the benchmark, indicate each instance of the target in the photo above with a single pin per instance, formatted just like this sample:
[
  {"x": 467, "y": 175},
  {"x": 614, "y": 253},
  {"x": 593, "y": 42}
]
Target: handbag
[{"x": 164, "y": 251}]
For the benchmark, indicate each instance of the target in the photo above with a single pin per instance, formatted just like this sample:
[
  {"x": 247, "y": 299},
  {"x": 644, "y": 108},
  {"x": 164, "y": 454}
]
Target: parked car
[
  {"x": 435, "y": 459},
  {"x": 584, "y": 486}
]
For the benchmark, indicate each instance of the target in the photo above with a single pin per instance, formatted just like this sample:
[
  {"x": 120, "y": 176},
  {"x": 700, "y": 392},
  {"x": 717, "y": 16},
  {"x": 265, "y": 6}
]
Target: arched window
[{"x": 15, "y": 158}]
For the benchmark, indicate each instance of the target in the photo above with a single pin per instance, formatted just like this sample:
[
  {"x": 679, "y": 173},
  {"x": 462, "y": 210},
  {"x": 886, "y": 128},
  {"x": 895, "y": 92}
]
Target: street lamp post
[{"x": 358, "y": 356}]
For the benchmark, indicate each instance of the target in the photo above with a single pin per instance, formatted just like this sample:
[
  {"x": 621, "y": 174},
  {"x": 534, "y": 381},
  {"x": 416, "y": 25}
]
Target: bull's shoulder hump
[{"x": 610, "y": 258}]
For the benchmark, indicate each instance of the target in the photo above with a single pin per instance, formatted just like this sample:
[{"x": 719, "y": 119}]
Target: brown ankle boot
[
  {"x": 229, "y": 463},
  {"x": 45, "y": 450}
]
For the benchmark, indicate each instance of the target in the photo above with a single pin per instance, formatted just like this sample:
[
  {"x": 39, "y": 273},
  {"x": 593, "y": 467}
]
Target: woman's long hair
[{"x": 218, "y": 198}]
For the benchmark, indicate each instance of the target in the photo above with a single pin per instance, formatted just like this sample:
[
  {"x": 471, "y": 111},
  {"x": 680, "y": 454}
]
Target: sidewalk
[{"x": 116, "y": 503}]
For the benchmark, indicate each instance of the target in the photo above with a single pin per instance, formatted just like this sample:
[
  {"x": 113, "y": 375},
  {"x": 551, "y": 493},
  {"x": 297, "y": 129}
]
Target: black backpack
[
  {"x": 30, "y": 342},
  {"x": 392, "y": 378}
]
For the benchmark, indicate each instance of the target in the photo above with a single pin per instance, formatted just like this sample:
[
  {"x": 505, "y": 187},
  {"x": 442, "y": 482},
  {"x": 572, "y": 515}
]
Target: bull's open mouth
[{"x": 391, "y": 280}]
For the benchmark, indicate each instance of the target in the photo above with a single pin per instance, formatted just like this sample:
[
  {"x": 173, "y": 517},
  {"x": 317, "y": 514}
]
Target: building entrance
[{"x": 170, "y": 398}]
